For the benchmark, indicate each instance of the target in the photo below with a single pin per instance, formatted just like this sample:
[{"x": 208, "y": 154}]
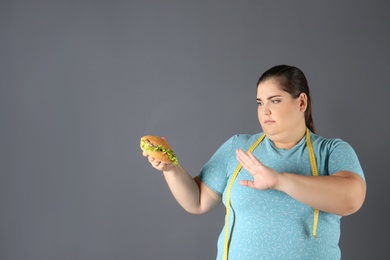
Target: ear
[{"x": 302, "y": 102}]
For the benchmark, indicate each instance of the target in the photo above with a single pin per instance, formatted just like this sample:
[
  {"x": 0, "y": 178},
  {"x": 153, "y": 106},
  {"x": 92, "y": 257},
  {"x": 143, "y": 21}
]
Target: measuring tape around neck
[{"x": 314, "y": 170}]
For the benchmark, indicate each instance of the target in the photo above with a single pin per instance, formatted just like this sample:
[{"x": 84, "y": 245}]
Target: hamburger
[{"x": 158, "y": 148}]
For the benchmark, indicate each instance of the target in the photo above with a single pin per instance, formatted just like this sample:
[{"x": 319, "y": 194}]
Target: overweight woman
[{"x": 285, "y": 189}]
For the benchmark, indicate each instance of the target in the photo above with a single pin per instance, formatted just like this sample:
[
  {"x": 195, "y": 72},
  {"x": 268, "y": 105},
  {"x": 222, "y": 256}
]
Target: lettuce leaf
[{"x": 171, "y": 155}]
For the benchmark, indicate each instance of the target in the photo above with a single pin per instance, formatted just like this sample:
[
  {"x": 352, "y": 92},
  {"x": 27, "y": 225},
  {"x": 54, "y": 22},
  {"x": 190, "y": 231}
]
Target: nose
[{"x": 266, "y": 111}]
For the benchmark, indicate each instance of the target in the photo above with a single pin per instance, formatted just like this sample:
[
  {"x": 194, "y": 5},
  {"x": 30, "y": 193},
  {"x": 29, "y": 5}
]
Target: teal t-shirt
[{"x": 270, "y": 224}]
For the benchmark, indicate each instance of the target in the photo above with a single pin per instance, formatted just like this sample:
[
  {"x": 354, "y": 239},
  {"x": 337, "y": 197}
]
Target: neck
[{"x": 289, "y": 140}]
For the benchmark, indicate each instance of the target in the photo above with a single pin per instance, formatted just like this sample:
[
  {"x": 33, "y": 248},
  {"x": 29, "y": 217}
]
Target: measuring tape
[{"x": 314, "y": 170}]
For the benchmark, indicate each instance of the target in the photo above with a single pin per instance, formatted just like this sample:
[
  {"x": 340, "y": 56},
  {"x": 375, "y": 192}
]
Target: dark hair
[{"x": 293, "y": 81}]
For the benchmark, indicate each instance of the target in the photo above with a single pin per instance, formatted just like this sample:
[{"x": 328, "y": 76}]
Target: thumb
[{"x": 247, "y": 183}]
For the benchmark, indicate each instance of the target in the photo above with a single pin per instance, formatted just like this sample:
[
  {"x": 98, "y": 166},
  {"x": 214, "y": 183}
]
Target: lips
[{"x": 269, "y": 122}]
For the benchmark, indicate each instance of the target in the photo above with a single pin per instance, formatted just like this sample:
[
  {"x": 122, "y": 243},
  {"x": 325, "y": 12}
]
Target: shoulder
[
  {"x": 336, "y": 151},
  {"x": 337, "y": 154},
  {"x": 329, "y": 144}
]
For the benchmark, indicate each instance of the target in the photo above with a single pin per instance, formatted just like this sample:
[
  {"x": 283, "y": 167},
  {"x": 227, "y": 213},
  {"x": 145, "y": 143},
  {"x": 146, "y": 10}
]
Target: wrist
[
  {"x": 281, "y": 180},
  {"x": 171, "y": 169}
]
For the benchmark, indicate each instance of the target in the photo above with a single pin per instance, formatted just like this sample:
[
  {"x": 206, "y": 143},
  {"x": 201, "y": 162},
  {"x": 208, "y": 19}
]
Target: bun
[{"x": 158, "y": 148}]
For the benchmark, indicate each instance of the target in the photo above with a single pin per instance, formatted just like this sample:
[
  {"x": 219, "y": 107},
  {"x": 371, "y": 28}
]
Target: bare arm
[
  {"x": 191, "y": 193},
  {"x": 343, "y": 193}
]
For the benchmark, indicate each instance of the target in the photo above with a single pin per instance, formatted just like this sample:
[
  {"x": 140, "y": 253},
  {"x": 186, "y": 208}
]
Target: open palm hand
[{"x": 264, "y": 178}]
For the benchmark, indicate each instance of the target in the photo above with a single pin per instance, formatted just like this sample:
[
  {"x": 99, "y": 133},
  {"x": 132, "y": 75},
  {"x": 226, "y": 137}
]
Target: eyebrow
[{"x": 270, "y": 97}]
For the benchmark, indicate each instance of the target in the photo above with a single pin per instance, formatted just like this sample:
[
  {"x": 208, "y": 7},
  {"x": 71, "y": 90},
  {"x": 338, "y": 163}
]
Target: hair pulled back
[{"x": 293, "y": 81}]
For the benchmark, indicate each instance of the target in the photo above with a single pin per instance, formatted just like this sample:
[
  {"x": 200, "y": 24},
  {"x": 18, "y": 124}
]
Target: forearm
[
  {"x": 190, "y": 193},
  {"x": 341, "y": 194}
]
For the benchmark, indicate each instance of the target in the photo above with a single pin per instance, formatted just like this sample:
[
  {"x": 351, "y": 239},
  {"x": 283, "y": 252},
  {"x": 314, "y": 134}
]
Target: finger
[
  {"x": 157, "y": 164},
  {"x": 241, "y": 156},
  {"x": 247, "y": 183},
  {"x": 247, "y": 161},
  {"x": 162, "y": 166},
  {"x": 154, "y": 161},
  {"x": 253, "y": 158}
]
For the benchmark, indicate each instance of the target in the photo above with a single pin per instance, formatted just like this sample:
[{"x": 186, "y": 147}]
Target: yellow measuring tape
[
  {"x": 314, "y": 172},
  {"x": 235, "y": 173},
  {"x": 313, "y": 165}
]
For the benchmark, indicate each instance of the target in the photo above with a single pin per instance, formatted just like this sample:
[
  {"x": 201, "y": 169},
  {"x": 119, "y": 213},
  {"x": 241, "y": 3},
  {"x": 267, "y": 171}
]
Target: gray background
[{"x": 82, "y": 81}]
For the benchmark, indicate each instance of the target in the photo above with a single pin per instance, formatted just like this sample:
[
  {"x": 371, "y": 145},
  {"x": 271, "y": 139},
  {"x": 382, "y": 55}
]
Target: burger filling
[{"x": 148, "y": 146}]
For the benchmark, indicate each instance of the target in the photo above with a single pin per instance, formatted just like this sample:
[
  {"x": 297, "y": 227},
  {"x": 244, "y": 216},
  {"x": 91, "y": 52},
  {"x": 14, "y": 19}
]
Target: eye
[
  {"x": 259, "y": 103},
  {"x": 275, "y": 101}
]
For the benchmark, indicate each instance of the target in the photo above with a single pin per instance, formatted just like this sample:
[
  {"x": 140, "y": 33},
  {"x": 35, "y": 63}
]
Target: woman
[{"x": 277, "y": 206}]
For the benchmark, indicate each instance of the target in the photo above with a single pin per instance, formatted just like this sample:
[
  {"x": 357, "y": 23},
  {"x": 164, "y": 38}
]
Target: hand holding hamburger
[{"x": 158, "y": 151}]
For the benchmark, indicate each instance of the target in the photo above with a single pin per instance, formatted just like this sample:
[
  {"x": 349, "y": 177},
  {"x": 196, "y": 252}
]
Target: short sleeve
[
  {"x": 342, "y": 157},
  {"x": 214, "y": 172}
]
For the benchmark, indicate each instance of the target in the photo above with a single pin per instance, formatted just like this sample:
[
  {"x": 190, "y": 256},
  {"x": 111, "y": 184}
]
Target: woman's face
[{"x": 280, "y": 115}]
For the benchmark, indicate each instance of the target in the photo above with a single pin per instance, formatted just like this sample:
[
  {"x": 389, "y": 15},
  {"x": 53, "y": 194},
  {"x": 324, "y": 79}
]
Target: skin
[
  {"x": 191, "y": 193},
  {"x": 282, "y": 119}
]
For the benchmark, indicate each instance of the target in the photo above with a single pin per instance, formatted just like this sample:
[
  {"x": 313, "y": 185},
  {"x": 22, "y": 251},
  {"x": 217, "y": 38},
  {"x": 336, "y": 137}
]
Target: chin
[{"x": 272, "y": 133}]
